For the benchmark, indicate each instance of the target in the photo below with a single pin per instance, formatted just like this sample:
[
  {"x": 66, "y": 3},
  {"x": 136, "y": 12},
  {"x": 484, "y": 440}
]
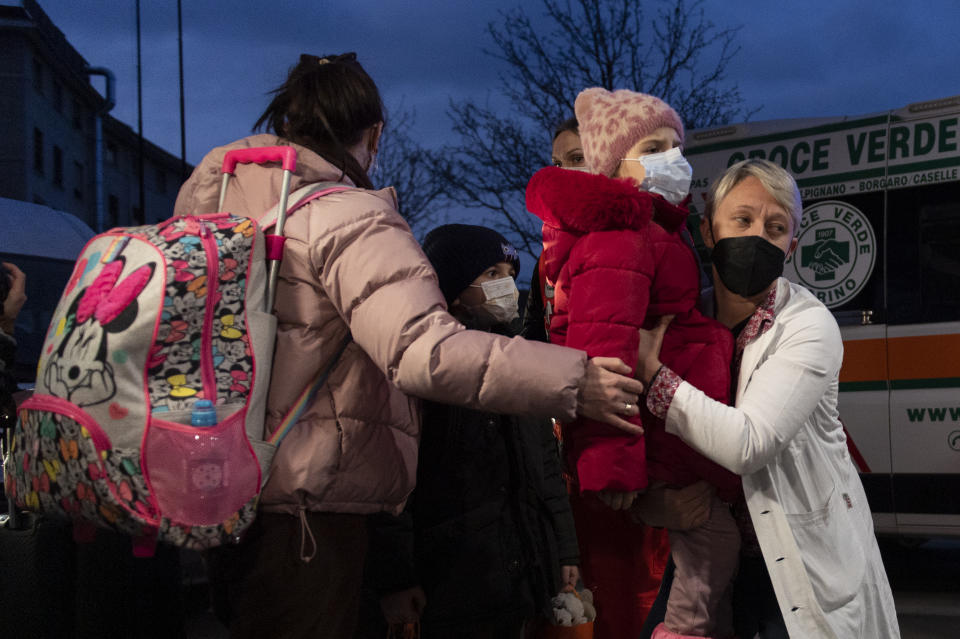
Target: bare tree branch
[
  {"x": 410, "y": 169},
  {"x": 674, "y": 51}
]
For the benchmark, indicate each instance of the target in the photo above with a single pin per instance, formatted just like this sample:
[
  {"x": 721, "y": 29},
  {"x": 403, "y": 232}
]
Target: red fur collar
[{"x": 583, "y": 202}]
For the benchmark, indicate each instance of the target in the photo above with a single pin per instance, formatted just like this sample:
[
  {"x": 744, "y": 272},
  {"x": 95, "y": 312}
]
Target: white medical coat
[{"x": 803, "y": 491}]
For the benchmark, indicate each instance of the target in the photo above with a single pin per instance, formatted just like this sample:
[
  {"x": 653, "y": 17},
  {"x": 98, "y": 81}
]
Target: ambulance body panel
[{"x": 879, "y": 244}]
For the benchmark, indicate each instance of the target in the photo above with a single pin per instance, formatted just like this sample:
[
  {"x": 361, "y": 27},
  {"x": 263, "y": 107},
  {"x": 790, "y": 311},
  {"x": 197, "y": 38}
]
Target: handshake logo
[
  {"x": 836, "y": 252},
  {"x": 825, "y": 255}
]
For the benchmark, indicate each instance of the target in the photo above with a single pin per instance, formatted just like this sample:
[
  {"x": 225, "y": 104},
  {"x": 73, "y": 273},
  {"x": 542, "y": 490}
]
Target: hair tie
[{"x": 309, "y": 58}]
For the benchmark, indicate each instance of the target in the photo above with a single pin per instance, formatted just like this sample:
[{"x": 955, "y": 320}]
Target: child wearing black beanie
[
  {"x": 487, "y": 537},
  {"x": 477, "y": 268}
]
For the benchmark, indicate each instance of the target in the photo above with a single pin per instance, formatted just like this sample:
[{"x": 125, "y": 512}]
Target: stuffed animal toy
[
  {"x": 573, "y": 608},
  {"x": 562, "y": 616},
  {"x": 589, "y": 611}
]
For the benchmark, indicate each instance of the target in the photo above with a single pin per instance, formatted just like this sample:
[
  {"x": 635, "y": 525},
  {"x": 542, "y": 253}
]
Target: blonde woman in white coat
[{"x": 811, "y": 519}]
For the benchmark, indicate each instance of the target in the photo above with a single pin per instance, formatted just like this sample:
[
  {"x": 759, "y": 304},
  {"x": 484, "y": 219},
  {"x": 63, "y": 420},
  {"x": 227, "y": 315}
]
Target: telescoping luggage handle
[{"x": 287, "y": 155}]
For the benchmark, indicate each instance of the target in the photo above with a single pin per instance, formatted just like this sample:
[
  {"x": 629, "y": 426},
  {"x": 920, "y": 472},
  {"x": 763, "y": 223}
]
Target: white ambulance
[{"x": 879, "y": 245}]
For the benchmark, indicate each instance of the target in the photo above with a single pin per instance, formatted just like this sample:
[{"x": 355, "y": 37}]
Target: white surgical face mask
[
  {"x": 501, "y": 305},
  {"x": 667, "y": 174}
]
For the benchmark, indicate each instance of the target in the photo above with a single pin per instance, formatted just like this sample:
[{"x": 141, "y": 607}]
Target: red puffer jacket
[{"x": 618, "y": 262}]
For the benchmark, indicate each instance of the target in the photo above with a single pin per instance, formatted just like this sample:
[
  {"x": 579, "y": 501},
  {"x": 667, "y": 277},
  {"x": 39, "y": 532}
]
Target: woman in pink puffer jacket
[{"x": 351, "y": 265}]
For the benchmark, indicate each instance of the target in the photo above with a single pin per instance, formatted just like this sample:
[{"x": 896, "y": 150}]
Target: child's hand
[
  {"x": 674, "y": 508},
  {"x": 618, "y": 501},
  {"x": 404, "y": 606},
  {"x": 569, "y": 576}
]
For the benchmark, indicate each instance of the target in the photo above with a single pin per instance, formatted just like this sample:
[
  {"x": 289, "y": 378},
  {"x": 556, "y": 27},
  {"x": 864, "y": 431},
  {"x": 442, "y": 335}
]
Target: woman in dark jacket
[
  {"x": 566, "y": 153},
  {"x": 487, "y": 538}
]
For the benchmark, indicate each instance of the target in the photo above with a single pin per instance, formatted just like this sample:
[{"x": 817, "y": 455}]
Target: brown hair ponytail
[{"x": 326, "y": 104}]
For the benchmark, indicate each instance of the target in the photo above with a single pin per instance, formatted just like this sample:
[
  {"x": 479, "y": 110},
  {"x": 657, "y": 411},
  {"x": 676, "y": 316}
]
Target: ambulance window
[{"x": 924, "y": 254}]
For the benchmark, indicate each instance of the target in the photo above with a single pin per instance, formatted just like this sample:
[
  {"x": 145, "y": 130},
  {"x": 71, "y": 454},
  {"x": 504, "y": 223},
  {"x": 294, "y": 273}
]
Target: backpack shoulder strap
[
  {"x": 299, "y": 198},
  {"x": 303, "y": 400}
]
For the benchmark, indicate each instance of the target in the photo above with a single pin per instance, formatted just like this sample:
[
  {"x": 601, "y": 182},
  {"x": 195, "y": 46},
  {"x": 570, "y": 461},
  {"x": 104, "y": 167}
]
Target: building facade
[{"x": 48, "y": 132}]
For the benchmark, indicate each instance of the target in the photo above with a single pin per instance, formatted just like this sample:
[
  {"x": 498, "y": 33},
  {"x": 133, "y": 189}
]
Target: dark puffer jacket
[
  {"x": 8, "y": 383},
  {"x": 488, "y": 525},
  {"x": 618, "y": 262}
]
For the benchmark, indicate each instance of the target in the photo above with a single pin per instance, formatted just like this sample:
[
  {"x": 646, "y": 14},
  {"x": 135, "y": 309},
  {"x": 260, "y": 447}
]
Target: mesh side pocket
[{"x": 200, "y": 476}]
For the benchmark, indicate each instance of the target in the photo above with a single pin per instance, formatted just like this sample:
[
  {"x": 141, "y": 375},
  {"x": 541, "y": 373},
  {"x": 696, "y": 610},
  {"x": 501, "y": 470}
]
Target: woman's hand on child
[
  {"x": 404, "y": 606},
  {"x": 674, "y": 508},
  {"x": 649, "y": 349},
  {"x": 606, "y": 394},
  {"x": 618, "y": 501}
]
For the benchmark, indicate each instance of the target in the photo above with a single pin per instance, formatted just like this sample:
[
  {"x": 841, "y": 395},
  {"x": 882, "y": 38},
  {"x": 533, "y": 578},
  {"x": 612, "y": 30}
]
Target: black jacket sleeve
[
  {"x": 556, "y": 499},
  {"x": 8, "y": 384},
  {"x": 390, "y": 565},
  {"x": 8, "y": 352}
]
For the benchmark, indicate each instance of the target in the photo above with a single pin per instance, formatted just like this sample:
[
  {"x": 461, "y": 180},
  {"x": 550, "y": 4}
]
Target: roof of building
[{"x": 29, "y": 17}]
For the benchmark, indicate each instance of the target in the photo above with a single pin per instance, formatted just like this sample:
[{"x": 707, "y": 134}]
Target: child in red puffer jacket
[{"x": 615, "y": 252}]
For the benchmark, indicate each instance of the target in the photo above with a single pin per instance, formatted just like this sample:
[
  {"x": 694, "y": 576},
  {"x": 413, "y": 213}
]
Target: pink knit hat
[{"x": 612, "y": 122}]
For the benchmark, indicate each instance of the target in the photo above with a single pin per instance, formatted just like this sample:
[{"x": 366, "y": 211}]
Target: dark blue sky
[{"x": 815, "y": 58}]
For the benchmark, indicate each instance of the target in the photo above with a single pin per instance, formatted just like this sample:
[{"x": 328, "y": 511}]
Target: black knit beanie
[{"x": 461, "y": 252}]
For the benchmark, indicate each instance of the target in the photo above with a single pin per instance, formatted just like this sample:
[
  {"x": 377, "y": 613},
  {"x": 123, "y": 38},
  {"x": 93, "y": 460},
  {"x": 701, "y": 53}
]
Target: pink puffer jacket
[{"x": 351, "y": 264}]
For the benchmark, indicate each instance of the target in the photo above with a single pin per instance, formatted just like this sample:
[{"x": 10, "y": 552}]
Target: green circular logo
[
  {"x": 836, "y": 252},
  {"x": 954, "y": 440}
]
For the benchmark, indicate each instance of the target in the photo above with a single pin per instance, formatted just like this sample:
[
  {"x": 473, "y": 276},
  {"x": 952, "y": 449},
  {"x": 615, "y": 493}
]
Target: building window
[
  {"x": 77, "y": 180},
  {"x": 161, "y": 181},
  {"x": 38, "y": 151},
  {"x": 58, "y": 96},
  {"x": 58, "y": 166},
  {"x": 113, "y": 211},
  {"x": 38, "y": 75},
  {"x": 77, "y": 115},
  {"x": 110, "y": 155}
]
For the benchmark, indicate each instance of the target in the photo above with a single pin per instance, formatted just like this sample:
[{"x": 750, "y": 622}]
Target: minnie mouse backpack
[{"x": 155, "y": 320}]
